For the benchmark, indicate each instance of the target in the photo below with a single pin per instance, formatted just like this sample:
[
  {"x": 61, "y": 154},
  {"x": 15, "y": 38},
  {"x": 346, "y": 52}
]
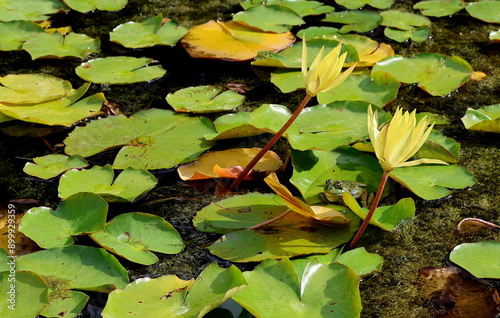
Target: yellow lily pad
[
  {"x": 232, "y": 41},
  {"x": 217, "y": 164}
]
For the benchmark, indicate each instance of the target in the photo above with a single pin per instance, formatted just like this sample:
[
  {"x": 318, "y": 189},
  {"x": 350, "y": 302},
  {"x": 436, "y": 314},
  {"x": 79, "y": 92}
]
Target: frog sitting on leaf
[{"x": 334, "y": 189}]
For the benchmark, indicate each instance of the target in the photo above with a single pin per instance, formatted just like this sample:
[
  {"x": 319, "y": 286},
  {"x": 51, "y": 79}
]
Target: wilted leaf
[
  {"x": 119, "y": 70},
  {"x": 151, "y": 139},
  {"x": 439, "y": 8},
  {"x": 57, "y": 45},
  {"x": 486, "y": 118},
  {"x": 204, "y": 99},
  {"x": 232, "y": 41},
  {"x": 437, "y": 74},
  {"x": 205, "y": 166},
  {"x": 50, "y": 166},
  {"x": 355, "y": 21},
  {"x": 14, "y": 33},
  {"x": 134, "y": 235},
  {"x": 91, "y": 5},
  {"x": 150, "y": 32},
  {"x": 128, "y": 186}
]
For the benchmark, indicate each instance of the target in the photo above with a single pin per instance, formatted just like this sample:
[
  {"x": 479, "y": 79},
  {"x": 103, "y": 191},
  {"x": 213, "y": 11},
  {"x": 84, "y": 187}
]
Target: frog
[{"x": 333, "y": 190}]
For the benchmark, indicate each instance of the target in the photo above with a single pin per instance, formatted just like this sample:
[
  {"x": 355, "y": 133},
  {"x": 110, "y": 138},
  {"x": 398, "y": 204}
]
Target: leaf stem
[
  {"x": 369, "y": 216},
  {"x": 268, "y": 146}
]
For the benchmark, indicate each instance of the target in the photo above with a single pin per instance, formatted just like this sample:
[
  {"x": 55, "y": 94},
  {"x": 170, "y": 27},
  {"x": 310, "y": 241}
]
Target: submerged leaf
[{"x": 232, "y": 41}]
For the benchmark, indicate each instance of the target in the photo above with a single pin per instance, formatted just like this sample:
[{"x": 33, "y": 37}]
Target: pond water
[{"x": 426, "y": 240}]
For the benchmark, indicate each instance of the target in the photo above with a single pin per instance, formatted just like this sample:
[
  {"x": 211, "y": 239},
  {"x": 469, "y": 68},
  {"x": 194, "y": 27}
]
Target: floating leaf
[
  {"x": 362, "y": 262},
  {"x": 419, "y": 34},
  {"x": 57, "y": 45},
  {"x": 91, "y": 5},
  {"x": 438, "y": 146},
  {"x": 431, "y": 182},
  {"x": 205, "y": 166},
  {"x": 28, "y": 296},
  {"x": 378, "y": 89},
  {"x": 313, "y": 167},
  {"x": 232, "y": 41},
  {"x": 78, "y": 214},
  {"x": 437, "y": 74},
  {"x": 356, "y": 21},
  {"x": 403, "y": 20},
  {"x": 119, "y": 70},
  {"x": 356, "y": 4},
  {"x": 320, "y": 291},
  {"x": 488, "y": 11},
  {"x": 311, "y": 130},
  {"x": 70, "y": 305},
  {"x": 273, "y": 18},
  {"x": 289, "y": 236},
  {"x": 33, "y": 10},
  {"x": 152, "y": 139},
  {"x": 301, "y": 7},
  {"x": 480, "y": 259},
  {"x": 80, "y": 267},
  {"x": 385, "y": 217},
  {"x": 486, "y": 118},
  {"x": 369, "y": 51},
  {"x": 317, "y": 32},
  {"x": 134, "y": 235},
  {"x": 14, "y": 33},
  {"x": 233, "y": 126},
  {"x": 169, "y": 296},
  {"x": 150, "y": 32},
  {"x": 25, "y": 89},
  {"x": 204, "y": 99},
  {"x": 439, "y": 8},
  {"x": 50, "y": 166},
  {"x": 128, "y": 186}
]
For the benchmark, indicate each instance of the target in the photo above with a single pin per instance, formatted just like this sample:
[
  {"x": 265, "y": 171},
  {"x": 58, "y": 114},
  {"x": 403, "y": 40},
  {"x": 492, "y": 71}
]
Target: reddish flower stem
[
  {"x": 368, "y": 217},
  {"x": 268, "y": 146}
]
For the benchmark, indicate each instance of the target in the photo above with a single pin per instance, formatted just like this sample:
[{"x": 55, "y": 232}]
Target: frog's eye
[{"x": 338, "y": 185}]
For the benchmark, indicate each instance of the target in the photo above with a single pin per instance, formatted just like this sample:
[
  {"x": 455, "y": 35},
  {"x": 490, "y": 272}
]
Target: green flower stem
[
  {"x": 368, "y": 217},
  {"x": 268, "y": 146},
  {"x": 276, "y": 218}
]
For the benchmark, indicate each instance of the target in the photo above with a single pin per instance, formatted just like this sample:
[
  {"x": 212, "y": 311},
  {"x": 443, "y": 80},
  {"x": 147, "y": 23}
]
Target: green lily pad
[
  {"x": 356, "y": 4},
  {"x": 362, "y": 262},
  {"x": 56, "y": 45},
  {"x": 70, "y": 304},
  {"x": 432, "y": 182},
  {"x": 169, "y": 296},
  {"x": 301, "y": 7},
  {"x": 14, "y": 33},
  {"x": 385, "y": 217},
  {"x": 233, "y": 126},
  {"x": 35, "y": 10},
  {"x": 25, "y": 89},
  {"x": 419, "y": 34},
  {"x": 488, "y": 11},
  {"x": 437, "y": 74},
  {"x": 290, "y": 236},
  {"x": 26, "y": 299},
  {"x": 51, "y": 166},
  {"x": 119, "y": 70},
  {"x": 152, "y": 139},
  {"x": 317, "y": 32},
  {"x": 480, "y": 259},
  {"x": 64, "y": 111},
  {"x": 204, "y": 99},
  {"x": 486, "y": 118},
  {"x": 287, "y": 80},
  {"x": 150, "y": 32},
  {"x": 403, "y": 20},
  {"x": 91, "y": 5},
  {"x": 355, "y": 21},
  {"x": 78, "y": 214},
  {"x": 128, "y": 186},
  {"x": 134, "y": 235},
  {"x": 311, "y": 130},
  {"x": 378, "y": 89},
  {"x": 321, "y": 291},
  {"x": 313, "y": 167},
  {"x": 274, "y": 18},
  {"x": 439, "y": 8},
  {"x": 81, "y": 267},
  {"x": 438, "y": 146}
]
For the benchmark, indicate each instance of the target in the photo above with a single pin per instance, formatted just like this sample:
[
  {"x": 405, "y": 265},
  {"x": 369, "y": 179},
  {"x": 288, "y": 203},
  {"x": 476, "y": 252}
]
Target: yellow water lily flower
[
  {"x": 400, "y": 139},
  {"x": 324, "y": 73}
]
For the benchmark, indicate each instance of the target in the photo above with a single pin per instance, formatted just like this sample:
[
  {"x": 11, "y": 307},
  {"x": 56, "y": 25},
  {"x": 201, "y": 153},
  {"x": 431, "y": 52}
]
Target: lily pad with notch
[
  {"x": 301, "y": 7},
  {"x": 233, "y": 126},
  {"x": 57, "y": 45},
  {"x": 355, "y": 21},
  {"x": 269, "y": 18},
  {"x": 479, "y": 259},
  {"x": 14, "y": 33},
  {"x": 403, "y": 20},
  {"x": 92, "y": 5},
  {"x": 146, "y": 137},
  {"x": 34, "y": 10},
  {"x": 134, "y": 235},
  {"x": 127, "y": 187},
  {"x": 356, "y": 4},
  {"x": 439, "y": 8},
  {"x": 204, "y": 99},
  {"x": 119, "y": 70},
  {"x": 51, "y": 166},
  {"x": 419, "y": 34},
  {"x": 487, "y": 11}
]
